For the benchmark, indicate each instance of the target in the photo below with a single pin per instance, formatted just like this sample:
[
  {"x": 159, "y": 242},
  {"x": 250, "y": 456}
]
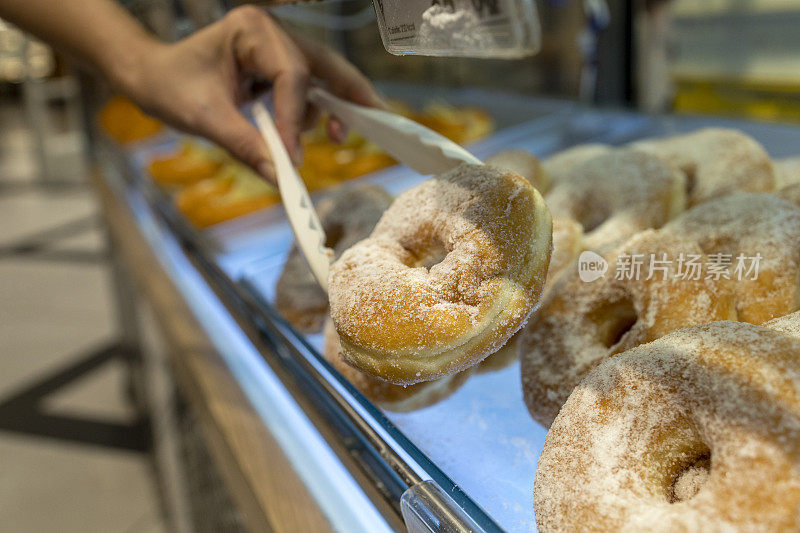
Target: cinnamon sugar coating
[
  {"x": 581, "y": 323},
  {"x": 696, "y": 431},
  {"x": 617, "y": 194},
  {"x": 716, "y": 162},
  {"x": 750, "y": 225},
  {"x": 397, "y": 398},
  {"x": 450, "y": 273}
]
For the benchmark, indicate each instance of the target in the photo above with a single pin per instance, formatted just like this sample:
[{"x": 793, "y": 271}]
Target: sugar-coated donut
[
  {"x": 347, "y": 215},
  {"x": 787, "y": 179},
  {"x": 787, "y": 172},
  {"x": 789, "y": 324},
  {"x": 561, "y": 163},
  {"x": 396, "y": 398},
  {"x": 617, "y": 194},
  {"x": 450, "y": 273},
  {"x": 523, "y": 163},
  {"x": 716, "y": 162},
  {"x": 581, "y": 323},
  {"x": 749, "y": 225},
  {"x": 567, "y": 246},
  {"x": 790, "y": 193},
  {"x": 696, "y": 431}
]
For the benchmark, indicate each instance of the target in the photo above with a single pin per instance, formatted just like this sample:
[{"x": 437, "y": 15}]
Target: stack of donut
[{"x": 674, "y": 403}]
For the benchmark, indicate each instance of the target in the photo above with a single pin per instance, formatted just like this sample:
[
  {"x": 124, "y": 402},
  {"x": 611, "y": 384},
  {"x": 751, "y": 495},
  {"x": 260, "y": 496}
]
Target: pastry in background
[
  {"x": 234, "y": 191},
  {"x": 523, "y": 163},
  {"x": 583, "y": 321},
  {"x": 716, "y": 162},
  {"x": 567, "y": 246},
  {"x": 562, "y": 162},
  {"x": 758, "y": 235},
  {"x": 787, "y": 172},
  {"x": 126, "y": 122},
  {"x": 190, "y": 163},
  {"x": 347, "y": 215},
  {"x": 617, "y": 194},
  {"x": 459, "y": 124}
]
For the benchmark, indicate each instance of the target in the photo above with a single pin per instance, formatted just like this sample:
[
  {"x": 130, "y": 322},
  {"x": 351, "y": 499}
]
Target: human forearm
[
  {"x": 98, "y": 33},
  {"x": 198, "y": 83}
]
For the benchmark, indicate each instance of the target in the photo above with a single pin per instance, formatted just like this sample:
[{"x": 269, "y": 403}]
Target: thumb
[{"x": 235, "y": 133}]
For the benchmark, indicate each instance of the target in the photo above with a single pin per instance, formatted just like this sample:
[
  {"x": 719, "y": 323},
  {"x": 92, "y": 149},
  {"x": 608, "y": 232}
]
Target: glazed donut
[
  {"x": 696, "y": 431},
  {"x": 396, "y": 398},
  {"x": 581, "y": 323},
  {"x": 523, "y": 163},
  {"x": 617, "y": 194},
  {"x": 347, "y": 215},
  {"x": 716, "y": 162},
  {"x": 450, "y": 273},
  {"x": 750, "y": 224},
  {"x": 561, "y": 163}
]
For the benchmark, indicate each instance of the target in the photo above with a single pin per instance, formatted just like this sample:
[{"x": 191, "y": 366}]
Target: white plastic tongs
[{"x": 420, "y": 148}]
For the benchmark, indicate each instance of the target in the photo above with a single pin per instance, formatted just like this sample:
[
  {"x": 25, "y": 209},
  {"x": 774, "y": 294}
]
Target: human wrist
[{"x": 124, "y": 65}]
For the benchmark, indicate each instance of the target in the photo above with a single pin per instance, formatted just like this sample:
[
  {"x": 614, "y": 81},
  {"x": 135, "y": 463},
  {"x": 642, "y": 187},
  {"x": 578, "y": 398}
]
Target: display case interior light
[{"x": 466, "y": 28}]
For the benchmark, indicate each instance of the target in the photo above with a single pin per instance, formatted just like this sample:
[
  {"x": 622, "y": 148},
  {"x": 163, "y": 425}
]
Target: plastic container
[{"x": 468, "y": 28}]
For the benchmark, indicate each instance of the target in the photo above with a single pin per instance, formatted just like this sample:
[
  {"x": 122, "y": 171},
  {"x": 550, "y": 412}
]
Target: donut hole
[
  {"x": 592, "y": 221},
  {"x": 333, "y": 235},
  {"x": 614, "y": 320},
  {"x": 690, "y": 171},
  {"x": 432, "y": 254},
  {"x": 689, "y": 479}
]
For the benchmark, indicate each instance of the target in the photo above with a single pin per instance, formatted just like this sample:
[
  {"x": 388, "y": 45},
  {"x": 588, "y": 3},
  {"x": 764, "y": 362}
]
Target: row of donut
[
  {"x": 669, "y": 406},
  {"x": 622, "y": 191},
  {"x": 668, "y": 410},
  {"x": 739, "y": 206}
]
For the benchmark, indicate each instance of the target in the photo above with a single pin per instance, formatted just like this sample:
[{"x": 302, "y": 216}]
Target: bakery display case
[{"x": 465, "y": 463}]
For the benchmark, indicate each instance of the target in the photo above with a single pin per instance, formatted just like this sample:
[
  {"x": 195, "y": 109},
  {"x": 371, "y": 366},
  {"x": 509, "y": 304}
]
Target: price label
[{"x": 477, "y": 28}]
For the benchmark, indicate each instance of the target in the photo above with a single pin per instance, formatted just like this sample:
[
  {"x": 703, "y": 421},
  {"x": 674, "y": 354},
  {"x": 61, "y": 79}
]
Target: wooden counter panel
[{"x": 261, "y": 480}]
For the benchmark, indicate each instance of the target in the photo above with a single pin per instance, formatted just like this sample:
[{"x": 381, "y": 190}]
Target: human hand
[{"x": 197, "y": 84}]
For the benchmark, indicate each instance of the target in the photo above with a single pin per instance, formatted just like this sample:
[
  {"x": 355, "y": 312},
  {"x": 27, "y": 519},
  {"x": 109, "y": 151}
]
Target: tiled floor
[{"x": 53, "y": 311}]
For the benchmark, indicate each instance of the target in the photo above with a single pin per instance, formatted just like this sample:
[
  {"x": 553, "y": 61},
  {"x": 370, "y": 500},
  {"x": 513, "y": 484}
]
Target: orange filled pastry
[
  {"x": 327, "y": 164},
  {"x": 234, "y": 191},
  {"x": 460, "y": 125},
  {"x": 192, "y": 163},
  {"x": 125, "y": 122}
]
